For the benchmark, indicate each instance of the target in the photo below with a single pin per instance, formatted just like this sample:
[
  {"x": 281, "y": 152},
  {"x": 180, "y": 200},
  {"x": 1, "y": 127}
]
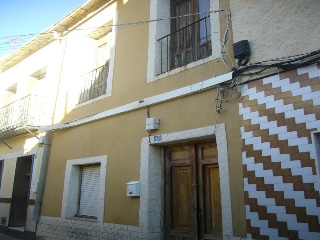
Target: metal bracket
[
  {"x": 31, "y": 133},
  {"x": 6, "y": 144}
]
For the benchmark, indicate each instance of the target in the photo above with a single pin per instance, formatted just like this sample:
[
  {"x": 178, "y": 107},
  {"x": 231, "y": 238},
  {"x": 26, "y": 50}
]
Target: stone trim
[
  {"x": 56, "y": 228},
  {"x": 151, "y": 177},
  {"x": 70, "y": 192}
]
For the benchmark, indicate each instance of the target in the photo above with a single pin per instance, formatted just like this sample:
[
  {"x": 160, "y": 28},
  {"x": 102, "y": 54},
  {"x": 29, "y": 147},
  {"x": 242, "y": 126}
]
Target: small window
[
  {"x": 40, "y": 74},
  {"x": 84, "y": 188},
  {"x": 13, "y": 88}
]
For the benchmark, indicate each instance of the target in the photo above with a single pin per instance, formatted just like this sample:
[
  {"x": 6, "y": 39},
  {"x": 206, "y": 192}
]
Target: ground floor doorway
[
  {"x": 192, "y": 192},
  {"x": 20, "y": 192}
]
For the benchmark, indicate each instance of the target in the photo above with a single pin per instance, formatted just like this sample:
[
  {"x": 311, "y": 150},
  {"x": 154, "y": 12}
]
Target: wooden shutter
[
  {"x": 190, "y": 39},
  {"x": 89, "y": 191},
  {"x": 183, "y": 37}
]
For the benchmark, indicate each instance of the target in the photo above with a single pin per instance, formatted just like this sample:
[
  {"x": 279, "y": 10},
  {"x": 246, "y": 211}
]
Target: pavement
[{"x": 7, "y": 237}]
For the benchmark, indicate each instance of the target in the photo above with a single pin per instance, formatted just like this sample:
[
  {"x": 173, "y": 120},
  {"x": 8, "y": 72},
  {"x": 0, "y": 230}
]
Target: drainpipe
[
  {"x": 60, "y": 73},
  {"x": 40, "y": 187},
  {"x": 47, "y": 141}
]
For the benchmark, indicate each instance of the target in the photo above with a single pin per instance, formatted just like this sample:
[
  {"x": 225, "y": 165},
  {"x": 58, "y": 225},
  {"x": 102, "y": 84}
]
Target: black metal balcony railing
[
  {"x": 186, "y": 45},
  {"x": 30, "y": 111},
  {"x": 94, "y": 83}
]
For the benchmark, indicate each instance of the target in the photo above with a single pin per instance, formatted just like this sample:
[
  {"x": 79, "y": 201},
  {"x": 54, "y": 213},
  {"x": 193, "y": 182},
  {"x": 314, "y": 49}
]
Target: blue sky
[{"x": 22, "y": 17}]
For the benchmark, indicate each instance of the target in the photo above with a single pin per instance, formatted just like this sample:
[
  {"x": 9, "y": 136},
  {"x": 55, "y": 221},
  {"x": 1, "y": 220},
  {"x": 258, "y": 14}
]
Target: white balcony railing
[
  {"x": 94, "y": 83},
  {"x": 31, "y": 111}
]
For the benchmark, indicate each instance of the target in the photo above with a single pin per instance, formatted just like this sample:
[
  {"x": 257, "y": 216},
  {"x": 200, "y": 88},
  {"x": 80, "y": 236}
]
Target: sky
[{"x": 19, "y": 18}]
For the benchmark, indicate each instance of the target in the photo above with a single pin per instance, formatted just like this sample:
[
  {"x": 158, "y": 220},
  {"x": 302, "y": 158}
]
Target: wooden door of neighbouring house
[
  {"x": 20, "y": 192},
  {"x": 192, "y": 192}
]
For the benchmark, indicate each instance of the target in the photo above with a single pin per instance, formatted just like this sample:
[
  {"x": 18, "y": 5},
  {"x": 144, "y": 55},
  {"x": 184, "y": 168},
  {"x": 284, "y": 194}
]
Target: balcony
[
  {"x": 24, "y": 116},
  {"x": 186, "y": 45},
  {"x": 94, "y": 83}
]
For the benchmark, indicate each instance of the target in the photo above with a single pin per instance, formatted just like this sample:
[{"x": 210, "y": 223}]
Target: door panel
[
  {"x": 209, "y": 192},
  {"x": 192, "y": 188},
  {"x": 180, "y": 219},
  {"x": 208, "y": 152},
  {"x": 212, "y": 200},
  {"x": 179, "y": 154},
  {"x": 182, "y": 198}
]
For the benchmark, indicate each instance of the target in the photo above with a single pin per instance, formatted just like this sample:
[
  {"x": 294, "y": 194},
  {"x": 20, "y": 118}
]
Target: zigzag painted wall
[{"x": 278, "y": 115}]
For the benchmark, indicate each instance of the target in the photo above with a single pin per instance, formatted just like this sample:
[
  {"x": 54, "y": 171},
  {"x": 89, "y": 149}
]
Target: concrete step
[{"x": 7, "y": 237}]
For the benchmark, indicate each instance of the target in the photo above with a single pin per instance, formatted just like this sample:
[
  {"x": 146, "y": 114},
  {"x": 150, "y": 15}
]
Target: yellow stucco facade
[{"x": 113, "y": 125}]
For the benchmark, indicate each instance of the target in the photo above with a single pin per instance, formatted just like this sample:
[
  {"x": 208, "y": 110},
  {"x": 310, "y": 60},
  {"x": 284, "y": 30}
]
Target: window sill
[
  {"x": 183, "y": 68},
  {"x": 93, "y": 100},
  {"x": 83, "y": 219}
]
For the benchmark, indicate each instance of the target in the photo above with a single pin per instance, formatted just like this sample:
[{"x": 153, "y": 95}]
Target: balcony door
[
  {"x": 192, "y": 189},
  {"x": 94, "y": 83},
  {"x": 191, "y": 31}
]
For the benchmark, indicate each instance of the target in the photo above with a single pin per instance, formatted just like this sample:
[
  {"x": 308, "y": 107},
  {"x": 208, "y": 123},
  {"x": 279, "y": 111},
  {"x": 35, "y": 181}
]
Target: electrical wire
[
  {"x": 30, "y": 35},
  {"x": 130, "y": 24},
  {"x": 23, "y": 38},
  {"x": 19, "y": 41},
  {"x": 225, "y": 56},
  {"x": 225, "y": 43},
  {"x": 227, "y": 93},
  {"x": 231, "y": 91},
  {"x": 272, "y": 74},
  {"x": 285, "y": 63}
]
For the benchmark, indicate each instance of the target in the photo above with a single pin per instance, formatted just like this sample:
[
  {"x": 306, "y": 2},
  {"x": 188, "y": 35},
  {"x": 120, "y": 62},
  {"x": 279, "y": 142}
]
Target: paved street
[{"x": 7, "y": 237}]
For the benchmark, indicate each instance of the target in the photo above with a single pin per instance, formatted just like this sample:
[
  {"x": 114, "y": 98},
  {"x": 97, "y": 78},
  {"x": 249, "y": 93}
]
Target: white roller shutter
[{"x": 89, "y": 191}]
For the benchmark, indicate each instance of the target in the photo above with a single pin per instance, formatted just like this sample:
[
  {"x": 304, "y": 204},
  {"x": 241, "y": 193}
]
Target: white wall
[
  {"x": 21, "y": 72},
  {"x": 276, "y": 28}
]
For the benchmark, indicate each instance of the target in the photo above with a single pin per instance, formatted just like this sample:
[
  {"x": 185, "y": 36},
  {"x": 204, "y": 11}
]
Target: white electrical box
[
  {"x": 34, "y": 187},
  {"x": 133, "y": 189},
  {"x": 152, "y": 124},
  {"x": 41, "y": 140}
]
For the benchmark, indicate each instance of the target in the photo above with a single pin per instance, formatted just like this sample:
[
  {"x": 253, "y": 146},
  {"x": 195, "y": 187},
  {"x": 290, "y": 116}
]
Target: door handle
[{"x": 200, "y": 213}]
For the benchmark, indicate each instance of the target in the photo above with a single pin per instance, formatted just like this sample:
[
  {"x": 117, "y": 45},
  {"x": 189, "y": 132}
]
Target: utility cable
[
  {"x": 24, "y": 38},
  {"x": 230, "y": 91},
  {"x": 130, "y": 24}
]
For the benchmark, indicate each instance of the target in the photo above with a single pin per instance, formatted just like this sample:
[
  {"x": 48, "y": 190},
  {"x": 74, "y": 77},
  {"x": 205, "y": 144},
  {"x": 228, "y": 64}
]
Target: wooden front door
[{"x": 192, "y": 189}]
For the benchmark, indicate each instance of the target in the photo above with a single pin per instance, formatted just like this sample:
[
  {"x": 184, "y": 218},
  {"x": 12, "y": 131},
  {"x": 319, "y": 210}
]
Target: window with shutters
[
  {"x": 192, "y": 34},
  {"x": 84, "y": 187},
  {"x": 89, "y": 191}
]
